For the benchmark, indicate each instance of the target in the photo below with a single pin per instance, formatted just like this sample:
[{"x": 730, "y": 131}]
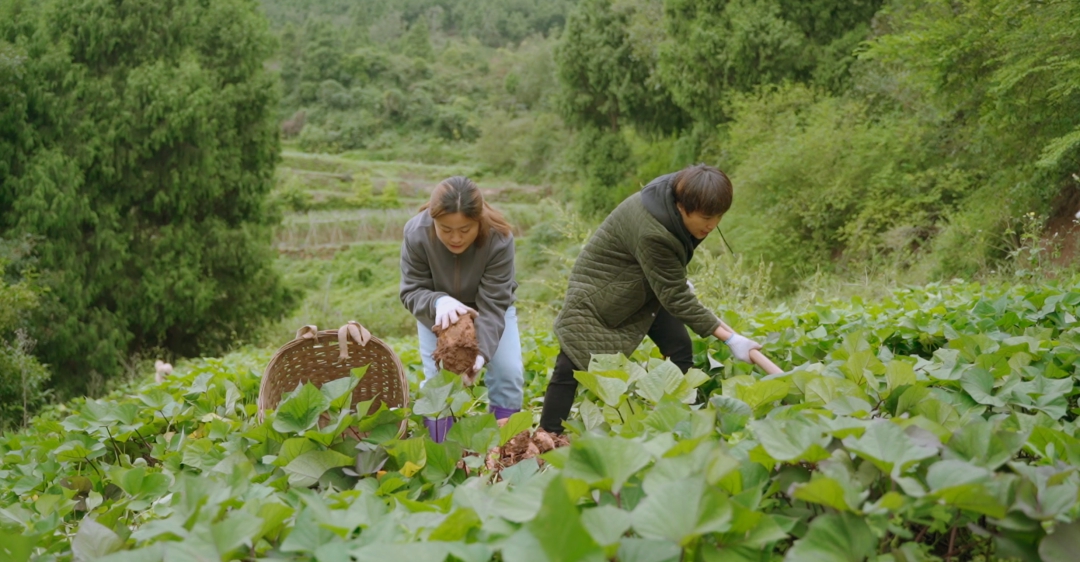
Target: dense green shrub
[
  {"x": 829, "y": 182},
  {"x": 22, "y": 377},
  {"x": 715, "y": 47},
  {"x": 528, "y": 147},
  {"x": 495, "y": 23},
  {"x": 374, "y": 74},
  {"x": 603, "y": 158},
  {"x": 918, "y": 133},
  {"x": 139, "y": 145},
  {"x": 23, "y": 381},
  {"x": 607, "y": 70},
  {"x": 1005, "y": 78}
]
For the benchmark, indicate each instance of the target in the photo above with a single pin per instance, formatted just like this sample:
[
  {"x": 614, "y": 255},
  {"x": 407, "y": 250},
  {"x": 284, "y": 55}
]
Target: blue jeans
[{"x": 505, "y": 376}]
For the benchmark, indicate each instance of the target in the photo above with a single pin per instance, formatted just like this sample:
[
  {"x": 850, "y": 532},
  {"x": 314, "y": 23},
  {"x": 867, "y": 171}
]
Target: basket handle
[
  {"x": 309, "y": 332},
  {"x": 354, "y": 330}
]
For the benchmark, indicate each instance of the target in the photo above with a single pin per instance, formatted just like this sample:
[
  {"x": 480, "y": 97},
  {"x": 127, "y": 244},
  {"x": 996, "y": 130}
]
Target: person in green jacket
[{"x": 630, "y": 282}]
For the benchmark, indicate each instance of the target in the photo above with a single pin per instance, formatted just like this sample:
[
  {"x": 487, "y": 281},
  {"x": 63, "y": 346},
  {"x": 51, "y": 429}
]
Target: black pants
[{"x": 667, "y": 332}]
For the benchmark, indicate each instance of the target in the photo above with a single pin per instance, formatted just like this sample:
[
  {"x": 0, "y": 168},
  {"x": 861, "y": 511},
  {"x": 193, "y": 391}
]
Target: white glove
[
  {"x": 470, "y": 377},
  {"x": 449, "y": 310},
  {"x": 741, "y": 347}
]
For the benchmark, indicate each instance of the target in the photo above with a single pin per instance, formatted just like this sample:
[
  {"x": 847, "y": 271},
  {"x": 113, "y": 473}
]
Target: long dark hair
[{"x": 460, "y": 194}]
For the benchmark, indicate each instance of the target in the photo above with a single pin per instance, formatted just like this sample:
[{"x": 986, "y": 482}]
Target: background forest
[{"x": 179, "y": 178}]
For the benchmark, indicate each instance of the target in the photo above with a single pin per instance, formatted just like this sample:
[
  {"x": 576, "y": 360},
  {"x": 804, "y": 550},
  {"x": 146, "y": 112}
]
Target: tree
[
  {"x": 417, "y": 42},
  {"x": 137, "y": 142},
  {"x": 608, "y": 79},
  {"x": 825, "y": 21},
  {"x": 1006, "y": 76},
  {"x": 718, "y": 45},
  {"x": 607, "y": 71},
  {"x": 22, "y": 377},
  {"x": 714, "y": 47}
]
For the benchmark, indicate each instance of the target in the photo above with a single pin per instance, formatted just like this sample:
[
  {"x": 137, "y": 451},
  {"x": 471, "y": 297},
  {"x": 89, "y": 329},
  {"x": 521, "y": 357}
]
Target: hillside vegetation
[{"x": 915, "y": 136}]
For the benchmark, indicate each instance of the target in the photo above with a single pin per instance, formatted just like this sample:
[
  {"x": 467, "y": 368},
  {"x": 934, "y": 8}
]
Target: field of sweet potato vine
[{"x": 938, "y": 424}]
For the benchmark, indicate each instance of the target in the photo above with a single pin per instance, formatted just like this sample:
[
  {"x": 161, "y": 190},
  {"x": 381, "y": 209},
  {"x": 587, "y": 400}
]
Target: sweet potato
[{"x": 457, "y": 348}]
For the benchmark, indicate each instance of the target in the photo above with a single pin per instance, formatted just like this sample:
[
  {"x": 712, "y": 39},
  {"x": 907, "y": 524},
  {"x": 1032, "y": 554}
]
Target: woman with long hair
[{"x": 457, "y": 259}]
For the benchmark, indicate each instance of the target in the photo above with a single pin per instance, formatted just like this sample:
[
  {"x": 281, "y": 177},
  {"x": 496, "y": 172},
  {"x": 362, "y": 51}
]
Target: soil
[
  {"x": 1061, "y": 236},
  {"x": 1063, "y": 228},
  {"x": 522, "y": 446},
  {"x": 457, "y": 347}
]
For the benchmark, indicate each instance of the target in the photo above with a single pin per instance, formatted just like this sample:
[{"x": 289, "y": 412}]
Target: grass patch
[{"x": 359, "y": 283}]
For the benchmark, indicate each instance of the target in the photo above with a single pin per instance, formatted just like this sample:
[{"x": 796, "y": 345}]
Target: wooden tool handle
[{"x": 766, "y": 365}]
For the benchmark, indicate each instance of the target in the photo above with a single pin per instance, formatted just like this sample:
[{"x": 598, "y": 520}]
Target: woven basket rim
[{"x": 329, "y": 337}]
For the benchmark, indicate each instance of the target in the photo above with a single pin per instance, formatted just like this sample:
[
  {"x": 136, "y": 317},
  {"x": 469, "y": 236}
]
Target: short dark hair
[{"x": 704, "y": 189}]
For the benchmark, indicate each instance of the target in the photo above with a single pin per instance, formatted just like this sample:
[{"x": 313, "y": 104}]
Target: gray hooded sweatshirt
[{"x": 479, "y": 277}]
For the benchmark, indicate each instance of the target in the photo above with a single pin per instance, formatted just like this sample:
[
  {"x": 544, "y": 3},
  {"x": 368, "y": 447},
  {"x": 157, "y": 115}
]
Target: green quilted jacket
[{"x": 629, "y": 268}]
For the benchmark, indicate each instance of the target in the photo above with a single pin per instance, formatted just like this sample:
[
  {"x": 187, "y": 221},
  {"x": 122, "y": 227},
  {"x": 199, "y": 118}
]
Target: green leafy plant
[{"x": 937, "y": 423}]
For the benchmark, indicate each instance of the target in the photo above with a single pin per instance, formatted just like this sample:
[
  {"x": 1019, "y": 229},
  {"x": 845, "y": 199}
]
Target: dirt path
[{"x": 1063, "y": 229}]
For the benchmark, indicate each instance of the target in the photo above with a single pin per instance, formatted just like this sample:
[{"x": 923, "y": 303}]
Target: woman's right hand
[
  {"x": 449, "y": 310},
  {"x": 741, "y": 347}
]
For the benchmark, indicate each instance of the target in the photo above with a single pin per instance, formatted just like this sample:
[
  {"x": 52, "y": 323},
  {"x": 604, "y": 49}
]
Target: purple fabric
[
  {"x": 503, "y": 413},
  {"x": 438, "y": 428}
]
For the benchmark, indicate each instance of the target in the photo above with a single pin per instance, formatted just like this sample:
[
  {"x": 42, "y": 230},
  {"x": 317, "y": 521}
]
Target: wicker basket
[{"x": 313, "y": 357}]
